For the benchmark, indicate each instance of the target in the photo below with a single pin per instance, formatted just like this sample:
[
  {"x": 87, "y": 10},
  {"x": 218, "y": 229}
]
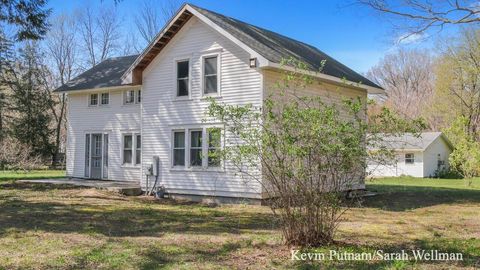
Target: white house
[
  {"x": 417, "y": 156},
  {"x": 127, "y": 110}
]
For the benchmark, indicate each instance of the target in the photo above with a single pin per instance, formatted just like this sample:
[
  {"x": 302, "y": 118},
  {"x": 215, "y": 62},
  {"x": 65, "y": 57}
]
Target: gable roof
[
  {"x": 410, "y": 141},
  {"x": 269, "y": 45},
  {"x": 275, "y": 47},
  {"x": 106, "y": 74}
]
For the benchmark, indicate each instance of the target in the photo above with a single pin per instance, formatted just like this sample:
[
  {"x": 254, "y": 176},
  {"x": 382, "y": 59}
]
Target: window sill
[
  {"x": 130, "y": 166},
  {"x": 199, "y": 169},
  {"x": 131, "y": 105},
  {"x": 205, "y": 97},
  {"x": 179, "y": 99}
]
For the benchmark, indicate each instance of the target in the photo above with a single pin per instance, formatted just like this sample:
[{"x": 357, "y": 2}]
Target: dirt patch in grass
[{"x": 65, "y": 227}]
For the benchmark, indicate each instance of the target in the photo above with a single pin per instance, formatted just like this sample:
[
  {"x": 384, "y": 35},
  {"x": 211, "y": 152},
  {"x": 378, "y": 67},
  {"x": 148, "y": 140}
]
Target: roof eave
[
  {"x": 100, "y": 89},
  {"x": 262, "y": 61},
  {"x": 327, "y": 78}
]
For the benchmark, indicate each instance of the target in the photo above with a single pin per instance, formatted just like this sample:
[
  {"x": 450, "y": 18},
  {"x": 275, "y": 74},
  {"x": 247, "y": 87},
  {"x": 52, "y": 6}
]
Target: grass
[
  {"x": 37, "y": 174},
  {"x": 62, "y": 227}
]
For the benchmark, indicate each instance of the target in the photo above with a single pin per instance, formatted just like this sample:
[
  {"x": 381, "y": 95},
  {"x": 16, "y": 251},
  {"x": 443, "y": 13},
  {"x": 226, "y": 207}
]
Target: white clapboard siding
[
  {"x": 239, "y": 84},
  {"x": 329, "y": 94},
  {"x": 113, "y": 119}
]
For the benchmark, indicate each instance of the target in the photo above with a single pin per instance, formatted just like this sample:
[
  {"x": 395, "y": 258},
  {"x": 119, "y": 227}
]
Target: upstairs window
[
  {"x": 132, "y": 97},
  {"x": 93, "y": 100},
  {"x": 210, "y": 75},
  {"x": 105, "y": 100},
  {"x": 182, "y": 78},
  {"x": 409, "y": 158},
  {"x": 129, "y": 97}
]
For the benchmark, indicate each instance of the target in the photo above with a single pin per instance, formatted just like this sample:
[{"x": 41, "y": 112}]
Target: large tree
[
  {"x": 152, "y": 15},
  {"x": 62, "y": 49},
  {"x": 457, "y": 89},
  {"x": 28, "y": 102},
  {"x": 407, "y": 77},
  {"x": 28, "y": 17},
  {"x": 99, "y": 34}
]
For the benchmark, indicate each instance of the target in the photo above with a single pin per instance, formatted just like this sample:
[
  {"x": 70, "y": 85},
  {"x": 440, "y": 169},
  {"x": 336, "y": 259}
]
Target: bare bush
[{"x": 17, "y": 156}]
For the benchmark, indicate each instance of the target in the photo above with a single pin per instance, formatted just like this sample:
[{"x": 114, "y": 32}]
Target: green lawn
[
  {"x": 38, "y": 174},
  {"x": 62, "y": 227}
]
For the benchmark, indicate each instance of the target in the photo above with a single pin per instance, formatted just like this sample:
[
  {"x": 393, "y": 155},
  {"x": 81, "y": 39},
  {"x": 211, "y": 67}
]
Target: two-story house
[{"x": 126, "y": 110}]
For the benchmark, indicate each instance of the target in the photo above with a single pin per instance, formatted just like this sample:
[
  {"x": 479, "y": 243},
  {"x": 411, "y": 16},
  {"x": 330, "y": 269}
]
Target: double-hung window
[
  {"x": 132, "y": 149},
  {"x": 138, "y": 149},
  {"x": 127, "y": 149},
  {"x": 196, "y": 148},
  {"x": 409, "y": 158},
  {"x": 105, "y": 99},
  {"x": 93, "y": 100},
  {"x": 210, "y": 75},
  {"x": 214, "y": 144},
  {"x": 139, "y": 96},
  {"x": 183, "y": 78},
  {"x": 179, "y": 148},
  {"x": 129, "y": 97}
]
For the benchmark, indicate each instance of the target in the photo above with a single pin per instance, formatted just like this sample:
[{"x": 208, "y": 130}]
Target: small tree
[
  {"x": 465, "y": 158},
  {"x": 305, "y": 153}
]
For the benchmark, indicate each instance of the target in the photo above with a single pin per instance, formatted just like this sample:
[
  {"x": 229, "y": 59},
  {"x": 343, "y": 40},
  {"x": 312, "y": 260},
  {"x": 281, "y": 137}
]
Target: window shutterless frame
[
  {"x": 179, "y": 157},
  {"x": 211, "y": 74},
  {"x": 182, "y": 78},
  {"x": 195, "y": 148},
  {"x": 104, "y": 99},
  {"x": 409, "y": 158},
  {"x": 93, "y": 100},
  {"x": 131, "y": 151},
  {"x": 129, "y": 97}
]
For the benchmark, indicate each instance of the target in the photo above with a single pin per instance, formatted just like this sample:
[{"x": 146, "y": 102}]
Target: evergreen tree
[{"x": 31, "y": 124}]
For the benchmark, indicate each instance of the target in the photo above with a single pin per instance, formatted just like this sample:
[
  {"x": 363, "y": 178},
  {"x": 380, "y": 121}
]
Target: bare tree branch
[{"x": 418, "y": 16}]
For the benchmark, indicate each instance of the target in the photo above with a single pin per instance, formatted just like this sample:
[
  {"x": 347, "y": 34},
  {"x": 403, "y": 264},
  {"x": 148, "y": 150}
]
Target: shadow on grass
[
  {"x": 131, "y": 218},
  {"x": 402, "y": 198}
]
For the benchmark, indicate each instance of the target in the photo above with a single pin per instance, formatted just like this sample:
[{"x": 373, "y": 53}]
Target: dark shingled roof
[
  {"x": 106, "y": 74},
  {"x": 275, "y": 47}
]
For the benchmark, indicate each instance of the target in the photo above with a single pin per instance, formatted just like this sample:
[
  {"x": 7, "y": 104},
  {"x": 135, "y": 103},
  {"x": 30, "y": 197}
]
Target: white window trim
[
  {"x": 135, "y": 95},
  {"x": 100, "y": 99},
  {"x": 134, "y": 152},
  {"x": 172, "y": 135},
  {"x": 405, "y": 158},
  {"x": 204, "y": 167},
  {"x": 175, "y": 84},
  {"x": 89, "y": 99},
  {"x": 218, "y": 54},
  {"x": 189, "y": 139}
]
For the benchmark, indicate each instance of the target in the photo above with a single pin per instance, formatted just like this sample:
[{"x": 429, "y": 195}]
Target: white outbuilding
[{"x": 417, "y": 156}]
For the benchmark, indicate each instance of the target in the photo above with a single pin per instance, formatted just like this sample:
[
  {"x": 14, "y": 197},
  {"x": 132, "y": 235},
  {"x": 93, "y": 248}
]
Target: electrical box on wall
[{"x": 155, "y": 165}]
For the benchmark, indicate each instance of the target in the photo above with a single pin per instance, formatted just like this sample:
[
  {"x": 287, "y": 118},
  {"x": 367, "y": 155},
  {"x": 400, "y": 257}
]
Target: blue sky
[{"x": 349, "y": 33}]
